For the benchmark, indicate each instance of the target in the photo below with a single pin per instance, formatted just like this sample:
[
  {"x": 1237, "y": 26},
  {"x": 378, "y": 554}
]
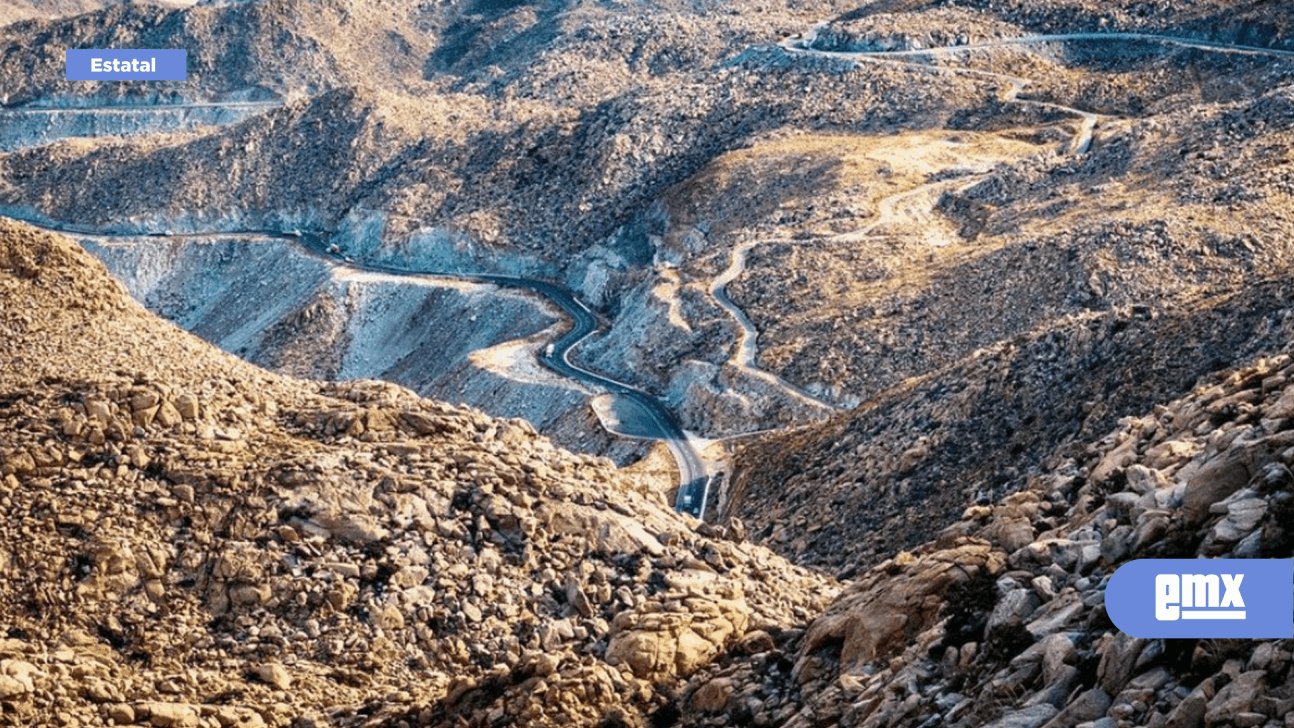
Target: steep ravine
[{"x": 455, "y": 341}]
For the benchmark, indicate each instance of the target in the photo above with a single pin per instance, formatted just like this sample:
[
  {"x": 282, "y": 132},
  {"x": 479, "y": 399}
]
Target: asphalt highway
[
  {"x": 693, "y": 479},
  {"x": 694, "y": 482}
]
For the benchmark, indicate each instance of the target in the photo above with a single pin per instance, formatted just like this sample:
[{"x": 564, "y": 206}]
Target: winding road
[
  {"x": 743, "y": 357},
  {"x": 806, "y": 41},
  {"x": 154, "y": 109},
  {"x": 694, "y": 479},
  {"x": 746, "y": 353},
  {"x": 693, "y": 476},
  {"x": 34, "y": 125}
]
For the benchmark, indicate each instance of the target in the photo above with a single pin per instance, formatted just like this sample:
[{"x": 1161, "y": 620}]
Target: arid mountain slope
[
  {"x": 16, "y": 10},
  {"x": 895, "y": 471},
  {"x": 1067, "y": 294},
  {"x": 237, "y": 49},
  {"x": 193, "y": 541},
  {"x": 985, "y": 316},
  {"x": 514, "y": 175},
  {"x": 1001, "y": 620},
  {"x": 1249, "y": 22}
]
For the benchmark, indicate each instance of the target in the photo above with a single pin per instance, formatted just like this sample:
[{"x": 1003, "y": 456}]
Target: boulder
[
  {"x": 274, "y": 675},
  {"x": 884, "y": 611},
  {"x": 1142, "y": 480},
  {"x": 11, "y": 688},
  {"x": 187, "y": 406},
  {"x": 1031, "y": 717},
  {"x": 1214, "y": 481},
  {"x": 713, "y": 696},
  {"x": 1057, "y": 649},
  {"x": 1237, "y": 697},
  {"x": 1090, "y": 705},
  {"x": 169, "y": 715},
  {"x": 1190, "y": 712},
  {"x": 1010, "y": 534},
  {"x": 1119, "y": 653},
  {"x": 1013, "y": 608},
  {"x": 658, "y": 645}
]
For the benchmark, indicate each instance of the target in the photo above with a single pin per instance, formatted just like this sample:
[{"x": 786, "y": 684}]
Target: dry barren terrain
[{"x": 947, "y": 311}]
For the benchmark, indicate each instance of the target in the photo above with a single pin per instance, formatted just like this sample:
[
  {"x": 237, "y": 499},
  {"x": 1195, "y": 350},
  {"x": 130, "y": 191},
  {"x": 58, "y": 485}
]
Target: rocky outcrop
[
  {"x": 661, "y": 641},
  {"x": 898, "y": 604},
  {"x": 1001, "y": 619}
]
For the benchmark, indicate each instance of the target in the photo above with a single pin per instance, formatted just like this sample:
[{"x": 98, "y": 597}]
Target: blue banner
[
  {"x": 148, "y": 64},
  {"x": 1203, "y": 598}
]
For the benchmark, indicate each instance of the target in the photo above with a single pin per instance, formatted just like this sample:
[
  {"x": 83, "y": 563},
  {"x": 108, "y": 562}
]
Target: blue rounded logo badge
[{"x": 1203, "y": 598}]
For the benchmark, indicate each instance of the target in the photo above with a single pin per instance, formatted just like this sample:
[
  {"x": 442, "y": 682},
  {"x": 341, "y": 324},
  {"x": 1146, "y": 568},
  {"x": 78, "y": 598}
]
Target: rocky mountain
[
  {"x": 191, "y": 541},
  {"x": 990, "y": 315},
  {"x": 236, "y": 49},
  {"x": 875, "y": 203},
  {"x": 894, "y": 472},
  {"x": 505, "y": 163},
  {"x": 954, "y": 308}
]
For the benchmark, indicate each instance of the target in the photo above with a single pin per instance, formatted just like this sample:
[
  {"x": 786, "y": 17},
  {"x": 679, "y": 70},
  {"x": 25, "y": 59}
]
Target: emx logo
[
  {"x": 1203, "y": 598},
  {"x": 1198, "y": 596}
]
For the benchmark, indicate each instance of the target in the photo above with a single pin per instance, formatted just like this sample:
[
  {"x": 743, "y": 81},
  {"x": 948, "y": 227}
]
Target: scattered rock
[{"x": 275, "y": 675}]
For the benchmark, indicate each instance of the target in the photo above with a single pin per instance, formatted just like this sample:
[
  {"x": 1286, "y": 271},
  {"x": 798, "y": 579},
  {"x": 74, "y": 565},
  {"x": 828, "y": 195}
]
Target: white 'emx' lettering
[{"x": 1198, "y": 596}]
